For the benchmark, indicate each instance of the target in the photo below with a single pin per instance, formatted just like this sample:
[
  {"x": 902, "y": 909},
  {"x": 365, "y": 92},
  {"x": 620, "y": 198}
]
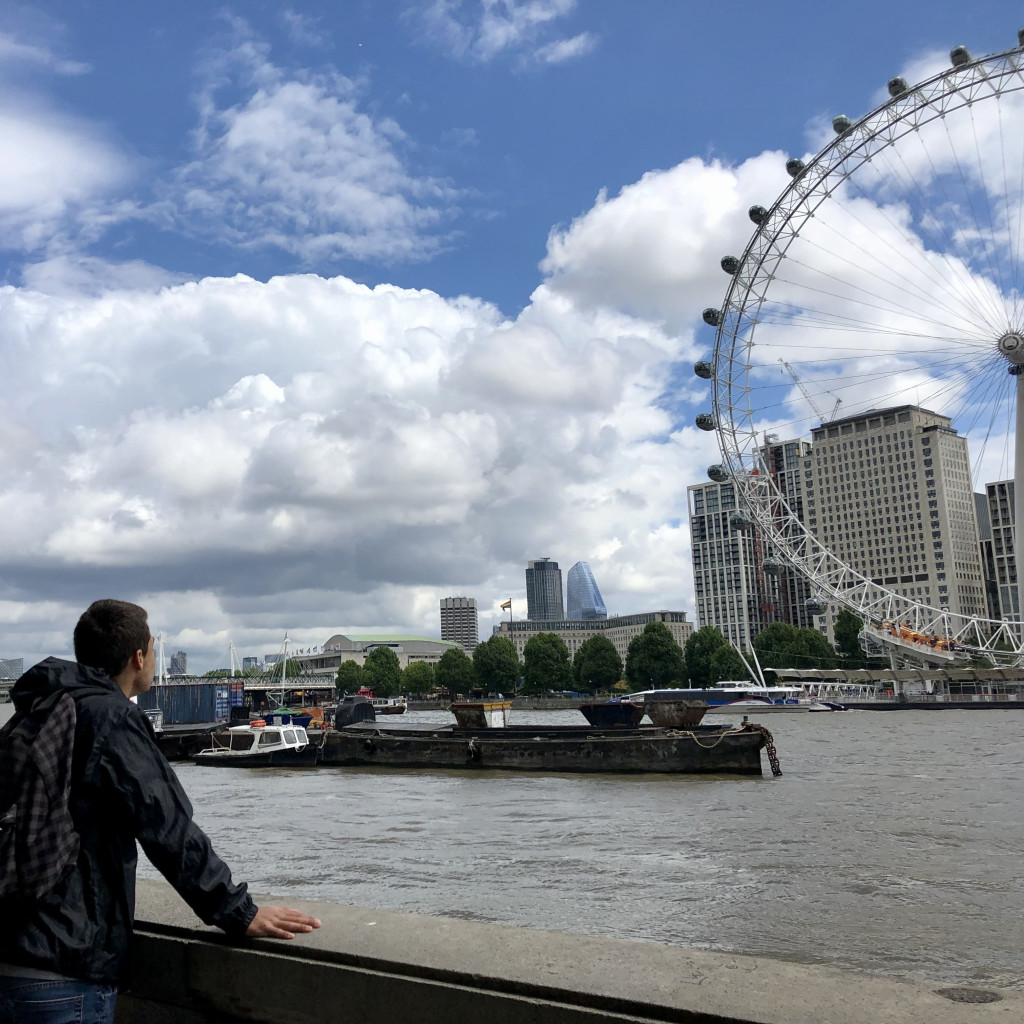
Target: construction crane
[{"x": 807, "y": 396}]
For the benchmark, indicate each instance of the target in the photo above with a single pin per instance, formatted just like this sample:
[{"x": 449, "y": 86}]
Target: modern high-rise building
[
  {"x": 179, "y": 664},
  {"x": 583, "y": 598},
  {"x": 459, "y": 622},
  {"x": 733, "y": 593},
  {"x": 1001, "y": 507},
  {"x": 889, "y": 493},
  {"x": 544, "y": 591},
  {"x": 250, "y": 662}
]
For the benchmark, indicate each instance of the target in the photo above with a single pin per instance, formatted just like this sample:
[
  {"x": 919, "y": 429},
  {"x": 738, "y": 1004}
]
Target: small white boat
[
  {"x": 389, "y": 705},
  {"x": 258, "y": 745}
]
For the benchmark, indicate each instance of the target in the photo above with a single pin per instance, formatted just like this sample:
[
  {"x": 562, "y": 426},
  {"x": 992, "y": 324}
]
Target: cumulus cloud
[
  {"x": 14, "y": 51},
  {"x": 482, "y": 30},
  {"x": 313, "y": 453},
  {"x": 298, "y": 165}
]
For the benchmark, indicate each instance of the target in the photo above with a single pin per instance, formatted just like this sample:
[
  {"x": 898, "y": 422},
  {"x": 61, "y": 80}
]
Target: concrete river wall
[{"x": 381, "y": 967}]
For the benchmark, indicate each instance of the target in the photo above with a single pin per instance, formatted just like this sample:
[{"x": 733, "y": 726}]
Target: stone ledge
[{"x": 375, "y": 965}]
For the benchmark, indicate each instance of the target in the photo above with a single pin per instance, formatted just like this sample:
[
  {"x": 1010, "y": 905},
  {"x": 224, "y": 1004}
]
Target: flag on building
[{"x": 507, "y": 604}]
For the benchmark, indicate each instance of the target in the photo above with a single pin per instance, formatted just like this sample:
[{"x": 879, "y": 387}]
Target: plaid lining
[{"x": 37, "y": 835}]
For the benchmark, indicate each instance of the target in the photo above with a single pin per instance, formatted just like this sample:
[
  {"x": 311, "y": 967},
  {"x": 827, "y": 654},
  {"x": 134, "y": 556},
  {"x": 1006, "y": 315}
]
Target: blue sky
[{"x": 288, "y": 450}]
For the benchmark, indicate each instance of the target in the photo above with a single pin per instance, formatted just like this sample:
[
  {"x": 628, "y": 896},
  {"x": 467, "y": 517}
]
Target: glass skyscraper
[{"x": 582, "y": 595}]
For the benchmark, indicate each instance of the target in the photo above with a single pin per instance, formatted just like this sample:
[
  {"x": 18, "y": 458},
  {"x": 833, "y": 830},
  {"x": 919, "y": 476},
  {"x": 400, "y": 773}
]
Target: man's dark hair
[{"x": 109, "y": 633}]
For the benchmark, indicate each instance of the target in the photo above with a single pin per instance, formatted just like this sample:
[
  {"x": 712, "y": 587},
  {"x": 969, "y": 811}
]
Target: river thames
[{"x": 892, "y": 843}]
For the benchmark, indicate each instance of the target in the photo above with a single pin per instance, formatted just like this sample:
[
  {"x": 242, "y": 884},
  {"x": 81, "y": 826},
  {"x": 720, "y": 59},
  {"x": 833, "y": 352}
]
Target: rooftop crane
[{"x": 807, "y": 396}]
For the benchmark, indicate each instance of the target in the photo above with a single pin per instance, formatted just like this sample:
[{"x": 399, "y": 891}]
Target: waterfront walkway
[{"x": 373, "y": 966}]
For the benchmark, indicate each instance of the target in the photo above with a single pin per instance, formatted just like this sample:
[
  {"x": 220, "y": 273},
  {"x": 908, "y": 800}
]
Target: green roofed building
[{"x": 357, "y": 646}]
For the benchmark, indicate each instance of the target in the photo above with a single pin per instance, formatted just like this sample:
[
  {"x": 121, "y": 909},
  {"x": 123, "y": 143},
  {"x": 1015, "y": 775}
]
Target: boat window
[
  {"x": 270, "y": 736},
  {"x": 242, "y": 740},
  {"x": 289, "y": 735}
]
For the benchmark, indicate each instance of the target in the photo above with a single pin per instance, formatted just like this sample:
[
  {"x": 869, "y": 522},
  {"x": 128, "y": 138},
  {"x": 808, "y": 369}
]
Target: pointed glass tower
[{"x": 584, "y": 599}]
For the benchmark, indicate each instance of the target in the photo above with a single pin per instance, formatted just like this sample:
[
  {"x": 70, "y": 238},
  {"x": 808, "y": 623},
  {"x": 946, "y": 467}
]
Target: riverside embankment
[{"x": 890, "y": 845}]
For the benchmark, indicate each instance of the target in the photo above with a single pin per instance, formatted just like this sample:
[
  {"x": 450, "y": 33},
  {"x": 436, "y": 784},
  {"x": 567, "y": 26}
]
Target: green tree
[
  {"x": 847, "y": 629},
  {"x": 654, "y": 660},
  {"x": 710, "y": 658},
  {"x": 597, "y": 666},
  {"x": 349, "y": 677},
  {"x": 496, "y": 664},
  {"x": 382, "y": 673},
  {"x": 547, "y": 663},
  {"x": 454, "y": 672},
  {"x": 782, "y": 645},
  {"x": 418, "y": 677}
]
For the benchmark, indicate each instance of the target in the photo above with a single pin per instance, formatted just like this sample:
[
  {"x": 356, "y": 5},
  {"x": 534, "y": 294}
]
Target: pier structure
[{"x": 377, "y": 966}]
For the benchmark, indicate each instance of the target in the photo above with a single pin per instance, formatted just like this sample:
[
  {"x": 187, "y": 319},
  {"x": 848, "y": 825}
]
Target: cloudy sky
[{"x": 311, "y": 315}]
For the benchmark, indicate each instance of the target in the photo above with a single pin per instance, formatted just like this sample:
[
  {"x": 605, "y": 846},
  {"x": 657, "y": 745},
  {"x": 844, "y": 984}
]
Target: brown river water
[{"x": 892, "y": 843}]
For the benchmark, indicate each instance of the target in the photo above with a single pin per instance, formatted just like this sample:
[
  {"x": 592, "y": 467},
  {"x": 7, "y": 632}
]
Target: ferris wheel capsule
[
  {"x": 758, "y": 214},
  {"x": 959, "y": 56},
  {"x": 841, "y": 124},
  {"x": 771, "y": 567},
  {"x": 718, "y": 473},
  {"x": 730, "y": 264},
  {"x": 706, "y": 421},
  {"x": 794, "y": 167},
  {"x": 897, "y": 86},
  {"x": 703, "y": 369},
  {"x": 711, "y": 316},
  {"x": 1020, "y": 36},
  {"x": 815, "y": 605},
  {"x": 740, "y": 521}
]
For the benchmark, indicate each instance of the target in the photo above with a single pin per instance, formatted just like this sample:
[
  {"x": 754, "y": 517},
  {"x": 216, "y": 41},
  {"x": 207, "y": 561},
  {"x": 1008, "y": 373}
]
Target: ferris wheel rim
[{"x": 960, "y": 85}]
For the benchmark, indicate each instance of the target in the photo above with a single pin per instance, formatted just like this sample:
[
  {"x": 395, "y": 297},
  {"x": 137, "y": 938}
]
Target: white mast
[{"x": 161, "y": 667}]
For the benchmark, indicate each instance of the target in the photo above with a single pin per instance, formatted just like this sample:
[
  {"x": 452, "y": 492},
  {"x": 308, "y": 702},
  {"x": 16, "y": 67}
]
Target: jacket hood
[{"x": 56, "y": 674}]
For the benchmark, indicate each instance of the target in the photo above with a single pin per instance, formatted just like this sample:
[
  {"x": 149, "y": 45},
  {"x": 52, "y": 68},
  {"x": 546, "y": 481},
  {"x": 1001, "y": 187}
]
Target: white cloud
[
  {"x": 296, "y": 164},
  {"x": 14, "y": 51},
  {"x": 482, "y": 30}
]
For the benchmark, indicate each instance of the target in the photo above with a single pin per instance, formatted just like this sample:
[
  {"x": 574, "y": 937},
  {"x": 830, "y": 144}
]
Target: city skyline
[{"x": 312, "y": 316}]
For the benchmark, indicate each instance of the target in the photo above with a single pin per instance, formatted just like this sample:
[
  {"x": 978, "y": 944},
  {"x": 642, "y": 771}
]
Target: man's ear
[{"x": 138, "y": 660}]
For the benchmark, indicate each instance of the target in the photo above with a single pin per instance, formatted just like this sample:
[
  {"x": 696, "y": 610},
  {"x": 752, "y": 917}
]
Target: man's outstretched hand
[{"x": 279, "y": 923}]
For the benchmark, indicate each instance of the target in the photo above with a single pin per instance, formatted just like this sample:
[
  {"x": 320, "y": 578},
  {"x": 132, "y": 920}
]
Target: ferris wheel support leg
[{"x": 1018, "y": 501}]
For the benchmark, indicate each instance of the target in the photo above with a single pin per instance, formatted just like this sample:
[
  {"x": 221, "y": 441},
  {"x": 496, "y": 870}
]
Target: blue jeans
[{"x": 29, "y": 1001}]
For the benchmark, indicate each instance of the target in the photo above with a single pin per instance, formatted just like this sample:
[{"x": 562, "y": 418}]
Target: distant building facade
[
  {"x": 583, "y": 598},
  {"x": 459, "y": 621},
  {"x": 11, "y": 668},
  {"x": 252, "y": 662},
  {"x": 1000, "y": 499},
  {"x": 732, "y": 592},
  {"x": 357, "y": 647},
  {"x": 889, "y": 493},
  {"x": 619, "y": 629},
  {"x": 544, "y": 591},
  {"x": 179, "y": 664}
]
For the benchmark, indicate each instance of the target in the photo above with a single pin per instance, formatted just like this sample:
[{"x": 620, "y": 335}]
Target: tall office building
[
  {"x": 583, "y": 599},
  {"x": 733, "y": 593},
  {"x": 179, "y": 664},
  {"x": 889, "y": 493},
  {"x": 731, "y": 590},
  {"x": 250, "y": 662},
  {"x": 459, "y": 621},
  {"x": 544, "y": 591},
  {"x": 1001, "y": 518}
]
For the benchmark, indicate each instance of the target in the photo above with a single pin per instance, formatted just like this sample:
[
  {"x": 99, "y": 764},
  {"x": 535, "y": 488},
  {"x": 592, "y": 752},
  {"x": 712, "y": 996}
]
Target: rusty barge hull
[{"x": 700, "y": 750}]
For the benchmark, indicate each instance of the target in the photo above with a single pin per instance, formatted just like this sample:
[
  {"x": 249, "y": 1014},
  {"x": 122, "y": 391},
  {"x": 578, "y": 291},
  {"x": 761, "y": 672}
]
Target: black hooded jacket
[{"x": 122, "y": 790}]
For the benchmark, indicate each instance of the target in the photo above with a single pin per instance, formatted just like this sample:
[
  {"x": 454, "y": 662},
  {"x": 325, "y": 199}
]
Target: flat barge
[{"x": 565, "y": 748}]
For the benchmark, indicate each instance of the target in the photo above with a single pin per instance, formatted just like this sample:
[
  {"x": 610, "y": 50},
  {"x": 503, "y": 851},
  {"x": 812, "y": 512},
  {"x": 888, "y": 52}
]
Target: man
[{"x": 62, "y": 956}]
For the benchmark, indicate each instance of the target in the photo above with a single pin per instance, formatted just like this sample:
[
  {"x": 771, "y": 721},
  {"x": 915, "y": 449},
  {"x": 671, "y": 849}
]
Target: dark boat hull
[
  {"x": 292, "y": 758},
  {"x": 704, "y": 749}
]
